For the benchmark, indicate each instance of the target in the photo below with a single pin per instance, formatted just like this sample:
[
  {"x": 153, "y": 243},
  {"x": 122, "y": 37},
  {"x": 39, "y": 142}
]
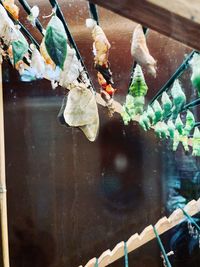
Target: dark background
[{"x": 69, "y": 199}]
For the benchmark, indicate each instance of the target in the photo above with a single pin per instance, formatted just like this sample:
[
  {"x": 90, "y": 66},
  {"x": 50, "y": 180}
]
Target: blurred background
[{"x": 70, "y": 199}]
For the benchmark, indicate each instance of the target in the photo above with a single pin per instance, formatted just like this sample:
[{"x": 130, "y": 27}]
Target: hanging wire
[
  {"x": 197, "y": 124},
  {"x": 125, "y": 255},
  {"x": 190, "y": 218},
  {"x": 93, "y": 12},
  {"x": 176, "y": 74},
  {"x": 162, "y": 248},
  {"x": 192, "y": 104}
]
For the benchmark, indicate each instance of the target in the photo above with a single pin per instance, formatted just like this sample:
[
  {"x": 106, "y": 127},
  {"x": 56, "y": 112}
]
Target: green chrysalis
[
  {"x": 19, "y": 48},
  {"x": 56, "y": 41}
]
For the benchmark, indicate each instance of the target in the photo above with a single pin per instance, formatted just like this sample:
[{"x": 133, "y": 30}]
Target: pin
[
  {"x": 164, "y": 254},
  {"x": 125, "y": 254},
  {"x": 96, "y": 263}
]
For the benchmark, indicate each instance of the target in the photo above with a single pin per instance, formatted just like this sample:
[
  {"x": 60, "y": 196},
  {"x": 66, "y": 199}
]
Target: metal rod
[
  {"x": 176, "y": 74},
  {"x": 192, "y": 104},
  {"x": 93, "y": 12}
]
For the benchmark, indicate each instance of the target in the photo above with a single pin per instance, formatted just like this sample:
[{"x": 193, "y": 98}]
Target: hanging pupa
[
  {"x": 195, "y": 78},
  {"x": 190, "y": 122},
  {"x": 196, "y": 142},
  {"x": 37, "y": 64},
  {"x": 171, "y": 128},
  {"x": 140, "y": 51},
  {"x": 150, "y": 114},
  {"x": 144, "y": 121},
  {"x": 157, "y": 111},
  {"x": 128, "y": 111},
  {"x": 12, "y": 8},
  {"x": 179, "y": 98},
  {"x": 33, "y": 15},
  {"x": 176, "y": 140},
  {"x": 138, "y": 89},
  {"x": 184, "y": 141},
  {"x": 101, "y": 48},
  {"x": 71, "y": 69},
  {"x": 179, "y": 124},
  {"x": 55, "y": 41},
  {"x": 166, "y": 104},
  {"x": 19, "y": 48},
  {"x": 161, "y": 130},
  {"x": 8, "y": 31},
  {"x": 79, "y": 109},
  {"x": 125, "y": 115}
]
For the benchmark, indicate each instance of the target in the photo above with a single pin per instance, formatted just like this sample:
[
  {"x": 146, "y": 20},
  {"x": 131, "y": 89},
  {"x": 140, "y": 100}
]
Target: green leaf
[
  {"x": 19, "y": 48},
  {"x": 56, "y": 41}
]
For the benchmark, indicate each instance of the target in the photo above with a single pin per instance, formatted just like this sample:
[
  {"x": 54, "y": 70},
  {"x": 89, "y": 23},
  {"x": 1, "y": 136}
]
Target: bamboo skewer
[
  {"x": 148, "y": 234},
  {"x": 3, "y": 199}
]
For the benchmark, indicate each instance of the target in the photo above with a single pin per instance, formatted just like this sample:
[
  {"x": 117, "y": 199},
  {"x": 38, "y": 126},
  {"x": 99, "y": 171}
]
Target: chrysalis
[
  {"x": 196, "y": 142},
  {"x": 12, "y": 8},
  {"x": 184, "y": 141},
  {"x": 161, "y": 130},
  {"x": 166, "y": 104},
  {"x": 138, "y": 89},
  {"x": 55, "y": 41},
  {"x": 140, "y": 51},
  {"x": 190, "y": 122},
  {"x": 176, "y": 140},
  {"x": 125, "y": 115},
  {"x": 157, "y": 111},
  {"x": 179, "y": 124},
  {"x": 37, "y": 63},
  {"x": 8, "y": 31},
  {"x": 80, "y": 110},
  {"x": 144, "y": 121},
  {"x": 33, "y": 15},
  {"x": 128, "y": 109},
  {"x": 179, "y": 98},
  {"x": 195, "y": 78},
  {"x": 71, "y": 69},
  {"x": 19, "y": 48},
  {"x": 171, "y": 128},
  {"x": 150, "y": 114}
]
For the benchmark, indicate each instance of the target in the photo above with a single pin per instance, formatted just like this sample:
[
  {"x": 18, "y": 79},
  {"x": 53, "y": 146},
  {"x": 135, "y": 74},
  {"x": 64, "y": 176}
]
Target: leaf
[
  {"x": 56, "y": 41},
  {"x": 19, "y": 48}
]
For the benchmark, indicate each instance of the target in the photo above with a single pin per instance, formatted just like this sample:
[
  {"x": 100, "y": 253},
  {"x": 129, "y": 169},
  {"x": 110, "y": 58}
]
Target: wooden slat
[
  {"x": 138, "y": 240},
  {"x": 178, "y": 19}
]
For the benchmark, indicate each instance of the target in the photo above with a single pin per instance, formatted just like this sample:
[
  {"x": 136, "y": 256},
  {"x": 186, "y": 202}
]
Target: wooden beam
[{"x": 177, "y": 19}]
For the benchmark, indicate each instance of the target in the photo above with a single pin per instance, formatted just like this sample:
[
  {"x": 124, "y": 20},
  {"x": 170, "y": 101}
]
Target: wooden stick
[
  {"x": 138, "y": 240},
  {"x": 3, "y": 200}
]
